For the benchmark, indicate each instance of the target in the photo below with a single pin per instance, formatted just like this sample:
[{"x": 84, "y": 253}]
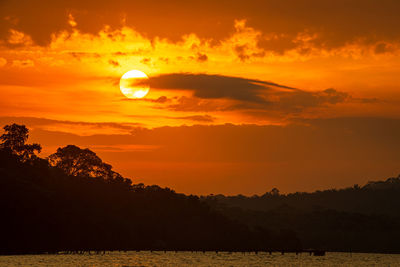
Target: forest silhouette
[{"x": 73, "y": 201}]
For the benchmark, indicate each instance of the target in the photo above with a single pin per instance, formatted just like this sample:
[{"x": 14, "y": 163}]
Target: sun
[{"x": 134, "y": 84}]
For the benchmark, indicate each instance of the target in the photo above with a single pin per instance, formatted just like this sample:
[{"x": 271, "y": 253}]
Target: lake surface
[{"x": 146, "y": 258}]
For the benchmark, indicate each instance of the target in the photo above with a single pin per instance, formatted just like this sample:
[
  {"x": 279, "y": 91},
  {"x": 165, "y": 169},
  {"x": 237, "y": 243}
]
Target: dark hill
[
  {"x": 380, "y": 198},
  {"x": 45, "y": 210},
  {"x": 73, "y": 201},
  {"x": 365, "y": 219}
]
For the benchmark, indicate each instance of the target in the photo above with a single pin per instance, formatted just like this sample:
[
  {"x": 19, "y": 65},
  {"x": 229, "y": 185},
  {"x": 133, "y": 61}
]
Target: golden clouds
[
  {"x": 19, "y": 38},
  {"x": 331, "y": 24},
  {"x": 71, "y": 20},
  {"x": 78, "y": 72},
  {"x": 125, "y": 46},
  {"x": 259, "y": 91}
]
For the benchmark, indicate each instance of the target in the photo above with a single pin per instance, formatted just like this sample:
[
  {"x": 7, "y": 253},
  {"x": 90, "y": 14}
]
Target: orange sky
[{"x": 299, "y": 95}]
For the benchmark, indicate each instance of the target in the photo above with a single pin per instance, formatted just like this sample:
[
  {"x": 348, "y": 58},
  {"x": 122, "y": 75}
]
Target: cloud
[
  {"x": 161, "y": 99},
  {"x": 146, "y": 61},
  {"x": 114, "y": 63},
  {"x": 215, "y": 86},
  {"x": 77, "y": 127},
  {"x": 195, "y": 104},
  {"x": 23, "y": 63},
  {"x": 299, "y": 100},
  {"x": 198, "y": 118},
  {"x": 281, "y": 23},
  {"x": 201, "y": 57},
  {"x": 244, "y": 53},
  {"x": 245, "y": 94},
  {"x": 124, "y": 148}
]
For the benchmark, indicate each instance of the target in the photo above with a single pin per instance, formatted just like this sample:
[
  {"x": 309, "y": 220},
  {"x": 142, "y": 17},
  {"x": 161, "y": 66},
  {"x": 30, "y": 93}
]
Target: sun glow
[{"x": 134, "y": 84}]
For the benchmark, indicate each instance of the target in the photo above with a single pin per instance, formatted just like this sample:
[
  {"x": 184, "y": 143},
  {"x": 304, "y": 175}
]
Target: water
[{"x": 146, "y": 258}]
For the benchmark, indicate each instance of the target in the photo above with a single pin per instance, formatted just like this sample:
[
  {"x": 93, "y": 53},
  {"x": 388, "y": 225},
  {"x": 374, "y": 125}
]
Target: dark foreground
[
  {"x": 73, "y": 201},
  {"x": 311, "y": 252}
]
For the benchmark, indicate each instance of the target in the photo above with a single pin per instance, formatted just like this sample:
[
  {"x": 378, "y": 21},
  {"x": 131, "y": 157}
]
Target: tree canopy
[
  {"x": 83, "y": 162},
  {"x": 74, "y": 201},
  {"x": 14, "y": 141},
  {"x": 77, "y": 202}
]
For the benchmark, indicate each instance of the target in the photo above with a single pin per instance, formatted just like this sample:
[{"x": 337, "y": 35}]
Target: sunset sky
[{"x": 244, "y": 95}]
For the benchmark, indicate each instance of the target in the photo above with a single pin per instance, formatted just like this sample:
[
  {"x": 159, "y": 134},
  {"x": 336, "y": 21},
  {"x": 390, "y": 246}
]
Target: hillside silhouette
[
  {"x": 380, "y": 198},
  {"x": 359, "y": 218},
  {"x": 73, "y": 201}
]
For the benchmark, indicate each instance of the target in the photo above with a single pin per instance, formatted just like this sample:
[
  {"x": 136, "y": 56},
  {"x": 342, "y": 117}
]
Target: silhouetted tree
[
  {"x": 14, "y": 141},
  {"x": 82, "y": 162},
  {"x": 274, "y": 191},
  {"x": 62, "y": 208}
]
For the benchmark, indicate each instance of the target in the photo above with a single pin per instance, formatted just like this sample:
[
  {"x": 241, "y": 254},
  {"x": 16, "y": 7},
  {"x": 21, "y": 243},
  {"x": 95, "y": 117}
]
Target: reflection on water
[{"x": 146, "y": 258}]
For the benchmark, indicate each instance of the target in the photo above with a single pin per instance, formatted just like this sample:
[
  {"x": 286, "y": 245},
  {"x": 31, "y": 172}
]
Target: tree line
[
  {"x": 73, "y": 201},
  {"x": 358, "y": 218}
]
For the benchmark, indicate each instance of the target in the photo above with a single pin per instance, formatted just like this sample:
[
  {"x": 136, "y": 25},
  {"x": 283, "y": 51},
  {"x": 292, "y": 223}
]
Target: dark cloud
[
  {"x": 43, "y": 122},
  {"x": 244, "y": 53},
  {"x": 278, "y": 103},
  {"x": 216, "y": 86},
  {"x": 145, "y": 61},
  {"x": 241, "y": 52},
  {"x": 239, "y": 49},
  {"x": 195, "y": 104},
  {"x": 198, "y": 118},
  {"x": 161, "y": 99},
  {"x": 119, "y": 53},
  {"x": 299, "y": 100},
  {"x": 278, "y": 44},
  {"x": 114, "y": 63},
  {"x": 202, "y": 57},
  {"x": 382, "y": 48},
  {"x": 80, "y": 55},
  {"x": 332, "y": 23},
  {"x": 246, "y": 94}
]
